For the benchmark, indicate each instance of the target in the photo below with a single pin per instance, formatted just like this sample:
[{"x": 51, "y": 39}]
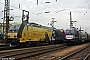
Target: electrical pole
[
  {"x": 37, "y": 2},
  {"x": 52, "y": 23},
  {"x": 7, "y": 13},
  {"x": 71, "y": 24},
  {"x": 4, "y": 21}
]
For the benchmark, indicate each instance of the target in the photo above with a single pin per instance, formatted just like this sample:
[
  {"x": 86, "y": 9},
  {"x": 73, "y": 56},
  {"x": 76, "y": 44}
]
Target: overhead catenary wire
[
  {"x": 22, "y": 9},
  {"x": 40, "y": 15},
  {"x": 30, "y": 12},
  {"x": 87, "y": 4},
  {"x": 53, "y": 10},
  {"x": 86, "y": 10}
]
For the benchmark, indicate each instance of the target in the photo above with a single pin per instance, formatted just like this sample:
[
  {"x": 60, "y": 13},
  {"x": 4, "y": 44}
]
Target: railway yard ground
[{"x": 48, "y": 52}]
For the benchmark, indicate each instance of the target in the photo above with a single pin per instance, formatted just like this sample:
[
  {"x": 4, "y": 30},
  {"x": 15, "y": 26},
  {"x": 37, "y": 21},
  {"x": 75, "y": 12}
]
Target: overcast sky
[{"x": 59, "y": 10}]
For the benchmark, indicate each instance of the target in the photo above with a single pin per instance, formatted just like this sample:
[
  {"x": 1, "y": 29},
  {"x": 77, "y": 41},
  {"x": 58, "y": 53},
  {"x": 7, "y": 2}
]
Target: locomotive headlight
[{"x": 69, "y": 36}]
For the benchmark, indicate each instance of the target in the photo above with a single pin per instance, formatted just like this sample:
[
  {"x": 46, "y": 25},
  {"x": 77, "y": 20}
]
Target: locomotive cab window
[
  {"x": 14, "y": 28},
  {"x": 69, "y": 32}
]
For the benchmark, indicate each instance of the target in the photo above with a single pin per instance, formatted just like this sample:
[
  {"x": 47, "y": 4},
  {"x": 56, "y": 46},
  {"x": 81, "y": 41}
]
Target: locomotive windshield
[
  {"x": 69, "y": 32},
  {"x": 14, "y": 28}
]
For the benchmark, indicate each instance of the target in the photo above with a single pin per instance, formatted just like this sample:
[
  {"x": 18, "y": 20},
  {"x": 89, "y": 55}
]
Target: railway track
[
  {"x": 28, "y": 52},
  {"x": 6, "y": 47},
  {"x": 2, "y": 45},
  {"x": 61, "y": 54},
  {"x": 81, "y": 54},
  {"x": 87, "y": 57},
  {"x": 9, "y": 47}
]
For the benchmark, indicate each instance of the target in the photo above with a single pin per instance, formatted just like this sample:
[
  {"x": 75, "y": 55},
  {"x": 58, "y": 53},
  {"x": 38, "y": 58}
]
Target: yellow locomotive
[{"x": 28, "y": 33}]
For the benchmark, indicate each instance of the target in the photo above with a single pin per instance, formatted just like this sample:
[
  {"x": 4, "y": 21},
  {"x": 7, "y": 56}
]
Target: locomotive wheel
[{"x": 27, "y": 44}]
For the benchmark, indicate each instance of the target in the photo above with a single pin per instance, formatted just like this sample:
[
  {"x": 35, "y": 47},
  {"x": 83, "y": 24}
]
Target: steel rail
[
  {"x": 67, "y": 56},
  {"x": 6, "y": 47},
  {"x": 85, "y": 58},
  {"x": 30, "y": 52},
  {"x": 41, "y": 52},
  {"x": 30, "y": 48}
]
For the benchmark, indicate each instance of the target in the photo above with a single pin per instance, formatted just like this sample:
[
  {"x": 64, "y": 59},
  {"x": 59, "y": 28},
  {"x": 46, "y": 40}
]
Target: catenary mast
[{"x": 7, "y": 13}]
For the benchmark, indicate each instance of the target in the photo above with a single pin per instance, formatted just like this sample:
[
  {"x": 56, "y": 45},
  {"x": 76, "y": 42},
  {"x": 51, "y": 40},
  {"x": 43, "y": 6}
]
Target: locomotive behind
[
  {"x": 58, "y": 35},
  {"x": 75, "y": 36},
  {"x": 27, "y": 34}
]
